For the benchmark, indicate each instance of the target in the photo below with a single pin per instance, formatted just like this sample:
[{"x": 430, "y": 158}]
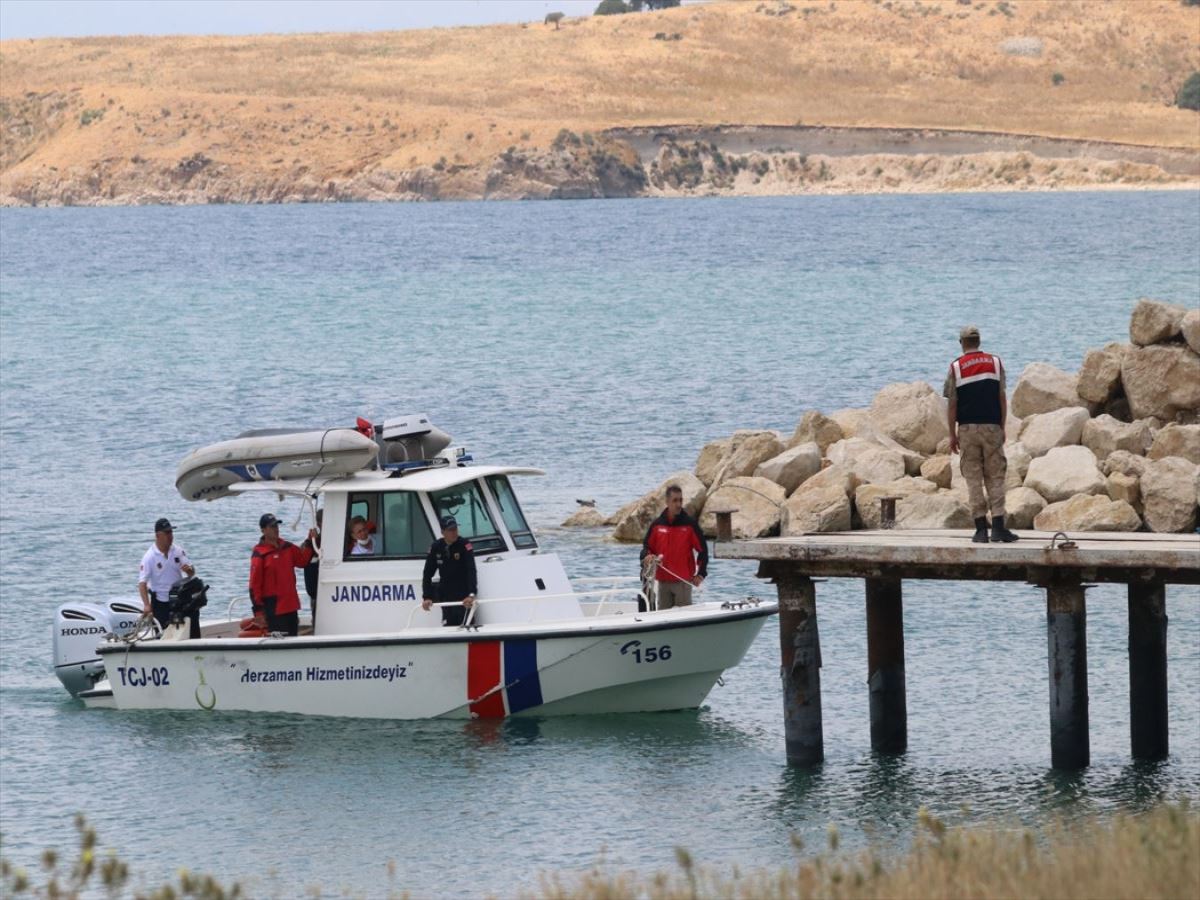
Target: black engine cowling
[{"x": 187, "y": 598}]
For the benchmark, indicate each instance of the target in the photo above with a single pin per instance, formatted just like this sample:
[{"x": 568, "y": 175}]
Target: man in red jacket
[
  {"x": 273, "y": 565},
  {"x": 675, "y": 538}
]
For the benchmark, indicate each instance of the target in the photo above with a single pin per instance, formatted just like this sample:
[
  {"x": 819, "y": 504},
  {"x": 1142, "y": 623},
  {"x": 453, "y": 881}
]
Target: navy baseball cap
[
  {"x": 267, "y": 519},
  {"x": 449, "y": 522},
  {"x": 162, "y": 525}
]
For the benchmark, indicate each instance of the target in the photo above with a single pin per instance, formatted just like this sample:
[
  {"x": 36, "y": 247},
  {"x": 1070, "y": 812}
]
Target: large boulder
[
  {"x": 913, "y": 415},
  {"x": 816, "y": 428},
  {"x": 842, "y": 476},
  {"x": 792, "y": 467},
  {"x": 819, "y": 505},
  {"x": 1177, "y": 440},
  {"x": 867, "y": 497},
  {"x": 747, "y": 450},
  {"x": 1064, "y": 472},
  {"x": 869, "y": 462},
  {"x": 632, "y": 519},
  {"x": 712, "y": 457},
  {"x": 1087, "y": 512},
  {"x": 1021, "y": 505},
  {"x": 757, "y": 503},
  {"x": 1059, "y": 428},
  {"x": 1043, "y": 388},
  {"x": 912, "y": 459},
  {"x": 1170, "y": 490},
  {"x": 1104, "y": 434},
  {"x": 941, "y": 510},
  {"x": 1100, "y": 374},
  {"x": 1153, "y": 322},
  {"x": 1126, "y": 463},
  {"x": 1019, "y": 458},
  {"x": 1161, "y": 381},
  {"x": 1125, "y": 487},
  {"x": 937, "y": 470},
  {"x": 585, "y": 517},
  {"x": 1190, "y": 327},
  {"x": 849, "y": 420}
]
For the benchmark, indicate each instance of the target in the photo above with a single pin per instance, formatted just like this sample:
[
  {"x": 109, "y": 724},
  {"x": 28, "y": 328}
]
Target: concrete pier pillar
[
  {"x": 1148, "y": 671},
  {"x": 885, "y": 665},
  {"x": 1066, "y": 616},
  {"x": 800, "y": 658}
]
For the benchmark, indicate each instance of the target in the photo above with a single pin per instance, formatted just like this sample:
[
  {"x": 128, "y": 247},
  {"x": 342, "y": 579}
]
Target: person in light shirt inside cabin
[{"x": 362, "y": 542}]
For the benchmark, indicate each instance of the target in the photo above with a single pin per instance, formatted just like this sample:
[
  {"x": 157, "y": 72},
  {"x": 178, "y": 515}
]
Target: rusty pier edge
[{"x": 1063, "y": 565}]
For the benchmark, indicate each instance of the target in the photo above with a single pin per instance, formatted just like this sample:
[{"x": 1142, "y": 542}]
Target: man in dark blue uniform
[{"x": 455, "y": 559}]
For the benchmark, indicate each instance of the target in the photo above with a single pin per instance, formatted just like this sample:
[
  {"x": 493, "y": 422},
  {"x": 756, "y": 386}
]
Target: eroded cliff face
[{"x": 673, "y": 164}]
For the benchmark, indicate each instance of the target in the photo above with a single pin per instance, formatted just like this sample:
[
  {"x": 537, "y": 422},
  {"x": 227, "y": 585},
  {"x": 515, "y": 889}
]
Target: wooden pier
[{"x": 1065, "y": 565}]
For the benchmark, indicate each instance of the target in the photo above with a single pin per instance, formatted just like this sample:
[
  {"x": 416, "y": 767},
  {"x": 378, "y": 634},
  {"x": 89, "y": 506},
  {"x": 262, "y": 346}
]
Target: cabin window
[
  {"x": 401, "y": 528},
  {"x": 510, "y": 511},
  {"x": 465, "y": 503}
]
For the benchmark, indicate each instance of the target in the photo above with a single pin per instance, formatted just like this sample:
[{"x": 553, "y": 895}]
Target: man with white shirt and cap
[{"x": 163, "y": 564}]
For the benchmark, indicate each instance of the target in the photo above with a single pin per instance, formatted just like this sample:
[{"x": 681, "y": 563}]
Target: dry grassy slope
[{"x": 334, "y": 105}]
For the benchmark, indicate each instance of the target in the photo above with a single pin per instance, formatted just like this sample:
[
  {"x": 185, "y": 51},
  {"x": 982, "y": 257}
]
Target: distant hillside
[{"x": 534, "y": 111}]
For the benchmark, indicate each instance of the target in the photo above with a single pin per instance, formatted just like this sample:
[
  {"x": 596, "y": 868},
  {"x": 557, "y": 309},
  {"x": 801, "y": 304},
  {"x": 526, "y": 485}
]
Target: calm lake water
[{"x": 604, "y": 342}]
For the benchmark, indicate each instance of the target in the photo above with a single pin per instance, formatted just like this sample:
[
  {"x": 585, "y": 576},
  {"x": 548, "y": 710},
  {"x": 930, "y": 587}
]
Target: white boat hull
[{"x": 655, "y": 661}]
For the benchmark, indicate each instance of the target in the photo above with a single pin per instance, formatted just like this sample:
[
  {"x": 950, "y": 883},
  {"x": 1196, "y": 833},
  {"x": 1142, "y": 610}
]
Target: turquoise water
[{"x": 604, "y": 342}]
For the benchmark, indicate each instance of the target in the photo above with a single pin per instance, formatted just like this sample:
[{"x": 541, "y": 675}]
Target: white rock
[
  {"x": 1161, "y": 381},
  {"x": 913, "y": 415},
  {"x": 758, "y": 504},
  {"x": 1153, "y": 321},
  {"x": 1064, "y": 472},
  {"x": 937, "y": 470},
  {"x": 842, "y": 476},
  {"x": 867, "y": 497},
  {"x": 1019, "y": 459},
  {"x": 1021, "y": 504},
  {"x": 792, "y": 467},
  {"x": 849, "y": 419},
  {"x": 585, "y": 517},
  {"x": 912, "y": 459},
  {"x": 870, "y": 462},
  {"x": 1169, "y": 494},
  {"x": 1060, "y": 428},
  {"x": 1125, "y": 487},
  {"x": 1100, "y": 375},
  {"x": 941, "y": 510},
  {"x": 1088, "y": 512},
  {"x": 1042, "y": 388},
  {"x": 712, "y": 457},
  {"x": 748, "y": 449},
  {"x": 816, "y": 508},
  {"x": 1124, "y": 462},
  {"x": 817, "y": 428},
  {"x": 1104, "y": 434},
  {"x": 632, "y": 519},
  {"x": 1190, "y": 326},
  {"x": 1177, "y": 440}
]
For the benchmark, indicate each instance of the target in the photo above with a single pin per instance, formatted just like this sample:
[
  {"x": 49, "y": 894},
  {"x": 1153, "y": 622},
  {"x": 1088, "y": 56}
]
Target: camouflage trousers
[{"x": 983, "y": 466}]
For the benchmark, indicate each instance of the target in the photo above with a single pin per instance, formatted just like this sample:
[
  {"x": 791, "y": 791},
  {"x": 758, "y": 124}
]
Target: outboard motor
[
  {"x": 409, "y": 439},
  {"x": 79, "y": 628},
  {"x": 187, "y": 598}
]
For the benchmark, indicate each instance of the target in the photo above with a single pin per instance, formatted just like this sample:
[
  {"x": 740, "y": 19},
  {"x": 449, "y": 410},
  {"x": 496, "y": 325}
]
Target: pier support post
[
  {"x": 800, "y": 669},
  {"x": 1148, "y": 671},
  {"x": 1066, "y": 615},
  {"x": 885, "y": 665}
]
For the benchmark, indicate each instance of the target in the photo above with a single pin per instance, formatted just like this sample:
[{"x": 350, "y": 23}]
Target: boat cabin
[{"x": 380, "y": 591}]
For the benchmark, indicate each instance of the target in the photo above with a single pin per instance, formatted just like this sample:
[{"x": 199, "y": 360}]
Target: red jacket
[
  {"x": 682, "y": 546},
  {"x": 272, "y": 574}
]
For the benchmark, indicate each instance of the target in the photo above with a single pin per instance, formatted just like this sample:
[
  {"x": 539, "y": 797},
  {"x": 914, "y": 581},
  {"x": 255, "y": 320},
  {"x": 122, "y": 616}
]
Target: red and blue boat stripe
[{"x": 512, "y": 664}]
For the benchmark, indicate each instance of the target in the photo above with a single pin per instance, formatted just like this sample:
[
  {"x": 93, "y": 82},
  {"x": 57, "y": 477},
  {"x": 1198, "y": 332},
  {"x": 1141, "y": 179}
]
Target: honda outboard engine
[
  {"x": 81, "y": 627},
  {"x": 187, "y": 598}
]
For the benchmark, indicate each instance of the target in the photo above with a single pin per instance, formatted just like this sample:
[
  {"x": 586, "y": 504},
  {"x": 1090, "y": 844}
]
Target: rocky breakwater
[{"x": 1112, "y": 447}]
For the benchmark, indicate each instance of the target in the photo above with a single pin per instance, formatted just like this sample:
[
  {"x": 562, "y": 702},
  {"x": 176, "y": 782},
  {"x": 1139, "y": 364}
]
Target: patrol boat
[{"x": 536, "y": 643}]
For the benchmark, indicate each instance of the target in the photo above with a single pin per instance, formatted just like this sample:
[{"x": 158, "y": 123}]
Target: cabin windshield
[
  {"x": 465, "y": 503},
  {"x": 398, "y": 526},
  {"x": 510, "y": 511}
]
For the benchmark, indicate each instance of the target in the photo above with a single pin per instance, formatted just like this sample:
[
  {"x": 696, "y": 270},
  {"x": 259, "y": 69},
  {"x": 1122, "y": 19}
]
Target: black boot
[
  {"x": 1000, "y": 534},
  {"x": 981, "y": 535}
]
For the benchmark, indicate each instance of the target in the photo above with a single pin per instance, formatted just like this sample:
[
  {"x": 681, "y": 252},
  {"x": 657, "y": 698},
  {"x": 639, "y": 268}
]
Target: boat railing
[{"x": 605, "y": 595}]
